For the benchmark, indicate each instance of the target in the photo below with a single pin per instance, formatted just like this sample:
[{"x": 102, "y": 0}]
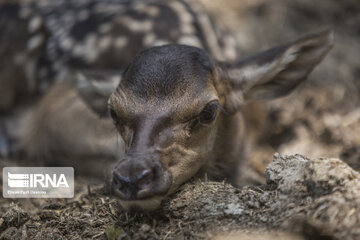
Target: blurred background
[{"x": 322, "y": 117}]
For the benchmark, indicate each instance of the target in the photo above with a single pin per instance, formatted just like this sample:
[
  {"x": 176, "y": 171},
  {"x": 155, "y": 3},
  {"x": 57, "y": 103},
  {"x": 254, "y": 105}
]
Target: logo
[
  {"x": 18, "y": 180},
  {"x": 38, "y": 182},
  {"x": 35, "y": 180}
]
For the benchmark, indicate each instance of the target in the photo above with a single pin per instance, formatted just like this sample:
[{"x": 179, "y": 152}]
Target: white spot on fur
[
  {"x": 120, "y": 42},
  {"x": 83, "y": 15},
  {"x": 87, "y": 49},
  {"x": 104, "y": 42},
  {"x": 67, "y": 43},
  {"x": 186, "y": 19},
  {"x": 69, "y": 18},
  {"x": 100, "y": 7},
  {"x": 135, "y": 25},
  {"x": 182, "y": 11},
  {"x": 34, "y": 24},
  {"x": 78, "y": 50},
  {"x": 105, "y": 28},
  {"x": 106, "y": 87},
  {"x": 108, "y": 8},
  {"x": 160, "y": 42},
  {"x": 35, "y": 42},
  {"x": 90, "y": 39},
  {"x": 205, "y": 24},
  {"x": 153, "y": 11},
  {"x": 91, "y": 54},
  {"x": 59, "y": 31},
  {"x": 210, "y": 37},
  {"x": 229, "y": 48},
  {"x": 187, "y": 29},
  {"x": 190, "y": 40},
  {"x": 150, "y": 10},
  {"x": 149, "y": 39}
]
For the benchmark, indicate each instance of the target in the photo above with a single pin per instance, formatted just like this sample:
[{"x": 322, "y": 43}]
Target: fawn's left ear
[
  {"x": 274, "y": 73},
  {"x": 95, "y": 88}
]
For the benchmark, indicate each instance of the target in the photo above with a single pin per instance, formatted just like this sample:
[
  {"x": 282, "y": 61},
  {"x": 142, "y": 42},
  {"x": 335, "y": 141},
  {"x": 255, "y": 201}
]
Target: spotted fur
[{"x": 57, "y": 36}]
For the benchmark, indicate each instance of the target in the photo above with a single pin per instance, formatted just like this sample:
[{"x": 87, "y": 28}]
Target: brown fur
[{"x": 62, "y": 130}]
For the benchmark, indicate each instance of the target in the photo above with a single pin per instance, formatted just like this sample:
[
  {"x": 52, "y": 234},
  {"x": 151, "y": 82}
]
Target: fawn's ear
[
  {"x": 276, "y": 72},
  {"x": 95, "y": 88}
]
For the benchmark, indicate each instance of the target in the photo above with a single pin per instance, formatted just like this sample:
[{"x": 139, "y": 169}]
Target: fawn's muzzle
[{"x": 139, "y": 178}]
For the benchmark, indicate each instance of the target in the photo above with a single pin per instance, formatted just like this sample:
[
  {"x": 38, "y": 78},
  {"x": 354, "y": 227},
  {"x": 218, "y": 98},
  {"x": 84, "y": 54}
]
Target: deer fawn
[{"x": 176, "y": 104}]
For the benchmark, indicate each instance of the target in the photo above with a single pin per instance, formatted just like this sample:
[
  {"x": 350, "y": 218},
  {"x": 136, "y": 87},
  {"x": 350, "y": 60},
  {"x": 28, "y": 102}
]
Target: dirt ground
[
  {"x": 302, "y": 199},
  {"x": 299, "y": 198}
]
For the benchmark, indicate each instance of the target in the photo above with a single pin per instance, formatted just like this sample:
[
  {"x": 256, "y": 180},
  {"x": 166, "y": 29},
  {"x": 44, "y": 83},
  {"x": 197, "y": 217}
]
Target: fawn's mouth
[
  {"x": 142, "y": 197},
  {"x": 148, "y": 204}
]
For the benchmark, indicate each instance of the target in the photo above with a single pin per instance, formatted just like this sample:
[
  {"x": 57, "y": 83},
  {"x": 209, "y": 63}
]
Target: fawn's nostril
[
  {"x": 130, "y": 187},
  {"x": 118, "y": 180},
  {"x": 144, "y": 178}
]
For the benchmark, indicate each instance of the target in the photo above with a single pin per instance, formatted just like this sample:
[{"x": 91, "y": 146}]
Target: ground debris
[
  {"x": 302, "y": 199},
  {"x": 15, "y": 216}
]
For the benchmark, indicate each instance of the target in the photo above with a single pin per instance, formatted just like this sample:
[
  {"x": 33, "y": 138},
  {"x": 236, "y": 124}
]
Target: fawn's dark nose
[
  {"x": 135, "y": 180},
  {"x": 129, "y": 187}
]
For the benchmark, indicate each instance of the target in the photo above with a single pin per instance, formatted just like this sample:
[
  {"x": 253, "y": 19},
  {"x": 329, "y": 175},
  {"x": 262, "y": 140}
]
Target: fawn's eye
[
  {"x": 208, "y": 114},
  {"x": 114, "y": 117}
]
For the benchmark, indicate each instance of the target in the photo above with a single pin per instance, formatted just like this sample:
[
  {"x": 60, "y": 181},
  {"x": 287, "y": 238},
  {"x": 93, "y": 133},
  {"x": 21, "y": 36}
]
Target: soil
[
  {"x": 298, "y": 198},
  {"x": 306, "y": 198}
]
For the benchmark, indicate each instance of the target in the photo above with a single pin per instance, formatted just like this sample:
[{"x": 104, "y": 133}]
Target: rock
[
  {"x": 259, "y": 236},
  {"x": 308, "y": 197},
  {"x": 297, "y": 175}
]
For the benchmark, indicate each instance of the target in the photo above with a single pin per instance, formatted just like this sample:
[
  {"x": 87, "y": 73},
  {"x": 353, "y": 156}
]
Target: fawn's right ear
[
  {"x": 276, "y": 72},
  {"x": 95, "y": 88}
]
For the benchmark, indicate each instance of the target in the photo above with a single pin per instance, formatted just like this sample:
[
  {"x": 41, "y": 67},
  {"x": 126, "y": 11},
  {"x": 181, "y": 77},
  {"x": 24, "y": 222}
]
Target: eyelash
[
  {"x": 114, "y": 117},
  {"x": 210, "y": 108},
  {"x": 211, "y": 111}
]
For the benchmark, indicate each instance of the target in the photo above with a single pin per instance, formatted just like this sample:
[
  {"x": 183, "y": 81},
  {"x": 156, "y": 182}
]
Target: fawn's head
[{"x": 170, "y": 103}]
